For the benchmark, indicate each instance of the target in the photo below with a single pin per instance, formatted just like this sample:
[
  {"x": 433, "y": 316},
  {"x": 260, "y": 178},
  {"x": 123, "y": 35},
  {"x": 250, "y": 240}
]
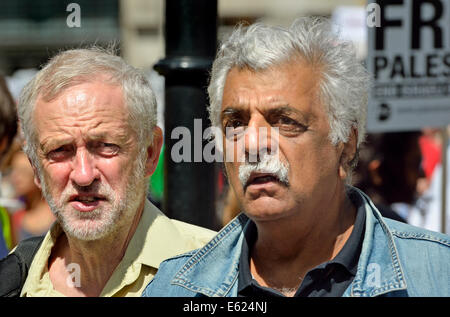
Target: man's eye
[
  {"x": 286, "y": 120},
  {"x": 233, "y": 123},
  {"x": 107, "y": 148},
  {"x": 288, "y": 124},
  {"x": 60, "y": 153},
  {"x": 234, "y": 129}
]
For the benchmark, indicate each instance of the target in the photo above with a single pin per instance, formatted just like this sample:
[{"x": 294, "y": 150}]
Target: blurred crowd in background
[{"x": 24, "y": 212}]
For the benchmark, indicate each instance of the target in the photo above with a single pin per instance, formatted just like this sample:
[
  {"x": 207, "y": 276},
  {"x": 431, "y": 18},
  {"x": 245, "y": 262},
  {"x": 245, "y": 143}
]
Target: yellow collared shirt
[{"x": 156, "y": 239}]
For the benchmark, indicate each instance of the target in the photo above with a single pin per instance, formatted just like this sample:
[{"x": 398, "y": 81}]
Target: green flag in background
[{"x": 156, "y": 186}]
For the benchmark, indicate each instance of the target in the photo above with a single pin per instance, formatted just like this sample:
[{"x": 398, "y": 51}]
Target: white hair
[
  {"x": 76, "y": 66},
  {"x": 344, "y": 82}
]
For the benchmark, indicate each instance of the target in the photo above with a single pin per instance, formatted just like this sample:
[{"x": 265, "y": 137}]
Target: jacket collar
[
  {"x": 379, "y": 268},
  {"x": 213, "y": 270}
]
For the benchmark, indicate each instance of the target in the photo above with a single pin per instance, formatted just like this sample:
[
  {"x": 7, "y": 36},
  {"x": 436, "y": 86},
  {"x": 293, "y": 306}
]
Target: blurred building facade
[
  {"x": 142, "y": 21},
  {"x": 32, "y": 31}
]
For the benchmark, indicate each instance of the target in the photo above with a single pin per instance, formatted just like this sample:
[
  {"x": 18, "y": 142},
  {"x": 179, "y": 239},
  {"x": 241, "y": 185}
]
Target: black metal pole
[{"x": 191, "y": 42}]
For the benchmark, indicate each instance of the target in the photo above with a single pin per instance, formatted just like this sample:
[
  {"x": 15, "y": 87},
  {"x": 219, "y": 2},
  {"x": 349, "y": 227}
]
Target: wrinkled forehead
[
  {"x": 78, "y": 94},
  {"x": 86, "y": 105},
  {"x": 295, "y": 86},
  {"x": 51, "y": 87}
]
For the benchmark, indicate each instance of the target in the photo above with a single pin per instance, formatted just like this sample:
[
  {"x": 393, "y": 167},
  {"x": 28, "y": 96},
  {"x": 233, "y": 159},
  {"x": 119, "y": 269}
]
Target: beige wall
[{"x": 141, "y": 24}]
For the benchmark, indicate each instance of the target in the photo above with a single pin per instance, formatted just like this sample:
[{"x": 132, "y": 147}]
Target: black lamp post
[{"x": 191, "y": 42}]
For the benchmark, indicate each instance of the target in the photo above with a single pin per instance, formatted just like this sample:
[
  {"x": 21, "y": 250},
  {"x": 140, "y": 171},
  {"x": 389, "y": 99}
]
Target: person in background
[
  {"x": 36, "y": 218},
  {"x": 3, "y": 248},
  {"x": 430, "y": 202},
  {"x": 231, "y": 206},
  {"x": 389, "y": 168},
  {"x": 430, "y": 145},
  {"x": 8, "y": 129}
]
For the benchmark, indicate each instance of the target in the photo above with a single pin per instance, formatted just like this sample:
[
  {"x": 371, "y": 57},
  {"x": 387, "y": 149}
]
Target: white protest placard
[{"x": 409, "y": 57}]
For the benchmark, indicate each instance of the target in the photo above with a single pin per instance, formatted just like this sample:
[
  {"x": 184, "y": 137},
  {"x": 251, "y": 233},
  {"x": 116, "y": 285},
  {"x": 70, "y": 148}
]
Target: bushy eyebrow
[
  {"x": 282, "y": 110},
  {"x": 53, "y": 142},
  {"x": 274, "y": 111},
  {"x": 231, "y": 112}
]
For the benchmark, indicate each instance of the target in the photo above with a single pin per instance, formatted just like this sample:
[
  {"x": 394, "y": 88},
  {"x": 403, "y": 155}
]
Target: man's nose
[
  {"x": 84, "y": 170},
  {"x": 258, "y": 141}
]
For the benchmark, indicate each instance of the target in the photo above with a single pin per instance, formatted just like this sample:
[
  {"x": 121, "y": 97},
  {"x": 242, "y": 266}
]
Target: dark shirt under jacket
[
  {"x": 325, "y": 280},
  {"x": 388, "y": 212}
]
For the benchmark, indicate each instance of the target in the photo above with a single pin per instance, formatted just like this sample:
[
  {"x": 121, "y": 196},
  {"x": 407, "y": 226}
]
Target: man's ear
[
  {"x": 374, "y": 172},
  {"x": 3, "y": 143},
  {"x": 36, "y": 178},
  {"x": 348, "y": 153},
  {"x": 153, "y": 151}
]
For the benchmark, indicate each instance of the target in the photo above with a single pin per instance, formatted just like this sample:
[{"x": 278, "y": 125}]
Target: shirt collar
[
  {"x": 245, "y": 278},
  {"x": 349, "y": 254},
  {"x": 147, "y": 246}
]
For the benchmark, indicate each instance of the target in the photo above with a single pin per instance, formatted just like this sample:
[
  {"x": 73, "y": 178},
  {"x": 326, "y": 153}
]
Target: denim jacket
[{"x": 396, "y": 260}]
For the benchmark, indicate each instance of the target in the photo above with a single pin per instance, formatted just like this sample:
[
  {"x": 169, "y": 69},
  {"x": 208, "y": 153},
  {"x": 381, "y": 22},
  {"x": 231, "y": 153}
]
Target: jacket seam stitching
[
  {"x": 190, "y": 287},
  {"x": 399, "y": 280},
  {"x": 397, "y": 266},
  {"x": 202, "y": 252},
  {"x": 420, "y": 236},
  {"x": 180, "y": 256}
]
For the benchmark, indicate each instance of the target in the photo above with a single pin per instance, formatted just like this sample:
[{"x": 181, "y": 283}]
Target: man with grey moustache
[
  {"x": 89, "y": 121},
  {"x": 304, "y": 230}
]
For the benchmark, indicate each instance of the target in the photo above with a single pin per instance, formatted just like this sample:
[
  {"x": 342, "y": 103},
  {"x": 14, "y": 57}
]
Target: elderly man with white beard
[
  {"x": 304, "y": 231},
  {"x": 89, "y": 122}
]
